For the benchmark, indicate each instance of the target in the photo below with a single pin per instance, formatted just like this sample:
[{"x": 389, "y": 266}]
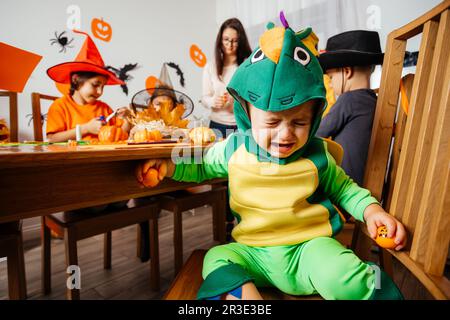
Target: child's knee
[
  {"x": 335, "y": 271},
  {"x": 219, "y": 256}
]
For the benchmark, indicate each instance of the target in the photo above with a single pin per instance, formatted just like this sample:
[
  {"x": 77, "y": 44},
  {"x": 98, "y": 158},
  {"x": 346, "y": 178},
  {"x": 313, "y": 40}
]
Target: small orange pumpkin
[
  {"x": 112, "y": 134},
  {"x": 202, "y": 135},
  {"x": 4, "y": 131},
  {"x": 147, "y": 135},
  {"x": 101, "y": 29},
  {"x": 149, "y": 174},
  {"x": 197, "y": 56},
  {"x": 382, "y": 239}
]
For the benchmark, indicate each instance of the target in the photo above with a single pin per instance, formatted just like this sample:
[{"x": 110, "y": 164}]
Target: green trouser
[{"x": 321, "y": 265}]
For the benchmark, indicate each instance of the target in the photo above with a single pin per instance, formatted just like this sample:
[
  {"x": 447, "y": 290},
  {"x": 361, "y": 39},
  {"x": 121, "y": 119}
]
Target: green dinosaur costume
[{"x": 286, "y": 217}]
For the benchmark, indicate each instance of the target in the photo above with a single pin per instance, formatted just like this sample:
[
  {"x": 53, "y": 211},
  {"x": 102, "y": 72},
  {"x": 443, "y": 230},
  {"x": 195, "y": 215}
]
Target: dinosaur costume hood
[{"x": 280, "y": 74}]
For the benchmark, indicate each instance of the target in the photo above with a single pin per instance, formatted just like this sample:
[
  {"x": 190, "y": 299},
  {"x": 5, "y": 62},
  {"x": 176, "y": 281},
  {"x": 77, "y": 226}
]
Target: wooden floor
[{"x": 129, "y": 277}]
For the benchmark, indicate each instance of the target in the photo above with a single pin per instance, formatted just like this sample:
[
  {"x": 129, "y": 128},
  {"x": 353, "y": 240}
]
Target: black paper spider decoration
[
  {"x": 63, "y": 42},
  {"x": 43, "y": 118}
]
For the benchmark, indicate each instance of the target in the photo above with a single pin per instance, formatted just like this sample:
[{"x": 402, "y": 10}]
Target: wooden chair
[
  {"x": 184, "y": 200},
  {"x": 364, "y": 245},
  {"x": 36, "y": 112},
  {"x": 418, "y": 167},
  {"x": 13, "y": 115},
  {"x": 11, "y": 243},
  {"x": 11, "y": 247},
  {"x": 74, "y": 226}
]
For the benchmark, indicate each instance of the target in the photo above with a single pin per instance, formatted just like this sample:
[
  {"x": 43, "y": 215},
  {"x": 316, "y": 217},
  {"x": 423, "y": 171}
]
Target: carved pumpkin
[
  {"x": 147, "y": 135},
  {"x": 4, "y": 131},
  {"x": 202, "y": 135},
  {"x": 112, "y": 134},
  {"x": 382, "y": 239},
  {"x": 101, "y": 29},
  {"x": 149, "y": 174},
  {"x": 197, "y": 56}
]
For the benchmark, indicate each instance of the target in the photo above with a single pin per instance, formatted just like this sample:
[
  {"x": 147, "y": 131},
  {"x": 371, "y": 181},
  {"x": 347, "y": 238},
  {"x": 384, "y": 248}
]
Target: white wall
[
  {"x": 146, "y": 32},
  {"x": 152, "y": 32},
  {"x": 328, "y": 17}
]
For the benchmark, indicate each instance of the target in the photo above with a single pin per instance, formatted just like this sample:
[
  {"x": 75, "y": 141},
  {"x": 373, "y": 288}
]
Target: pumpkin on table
[
  {"x": 112, "y": 134},
  {"x": 145, "y": 135},
  {"x": 202, "y": 135}
]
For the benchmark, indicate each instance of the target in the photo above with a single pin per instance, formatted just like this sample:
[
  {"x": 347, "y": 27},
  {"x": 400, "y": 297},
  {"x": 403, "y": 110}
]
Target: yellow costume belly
[{"x": 271, "y": 201}]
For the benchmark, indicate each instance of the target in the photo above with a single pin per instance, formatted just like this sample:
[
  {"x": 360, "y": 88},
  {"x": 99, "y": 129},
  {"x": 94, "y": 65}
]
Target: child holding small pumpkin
[
  {"x": 283, "y": 186},
  {"x": 87, "y": 77}
]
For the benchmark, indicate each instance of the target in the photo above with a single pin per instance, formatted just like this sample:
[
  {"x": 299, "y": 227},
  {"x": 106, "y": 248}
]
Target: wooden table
[{"x": 40, "y": 180}]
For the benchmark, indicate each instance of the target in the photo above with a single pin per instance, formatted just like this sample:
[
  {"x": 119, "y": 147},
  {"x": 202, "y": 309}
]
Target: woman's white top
[{"x": 214, "y": 87}]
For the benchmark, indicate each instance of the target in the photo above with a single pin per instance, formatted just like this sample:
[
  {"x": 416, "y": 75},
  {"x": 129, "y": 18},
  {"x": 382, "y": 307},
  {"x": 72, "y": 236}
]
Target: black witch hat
[{"x": 352, "y": 48}]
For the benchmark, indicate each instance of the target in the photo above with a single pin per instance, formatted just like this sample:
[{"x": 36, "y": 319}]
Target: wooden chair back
[
  {"x": 13, "y": 115},
  {"x": 417, "y": 169},
  {"x": 37, "y": 116}
]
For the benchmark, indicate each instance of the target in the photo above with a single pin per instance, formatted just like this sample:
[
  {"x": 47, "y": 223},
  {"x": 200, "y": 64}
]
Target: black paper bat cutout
[
  {"x": 123, "y": 75},
  {"x": 179, "y": 72}
]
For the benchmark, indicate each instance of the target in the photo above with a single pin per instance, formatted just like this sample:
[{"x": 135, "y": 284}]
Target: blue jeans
[{"x": 225, "y": 130}]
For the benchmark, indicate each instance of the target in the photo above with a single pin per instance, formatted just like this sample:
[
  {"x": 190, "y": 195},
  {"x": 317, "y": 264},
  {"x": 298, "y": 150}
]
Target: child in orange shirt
[{"x": 87, "y": 77}]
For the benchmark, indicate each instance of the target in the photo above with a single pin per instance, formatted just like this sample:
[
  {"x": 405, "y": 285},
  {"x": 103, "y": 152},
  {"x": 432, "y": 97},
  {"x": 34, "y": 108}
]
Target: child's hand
[
  {"x": 229, "y": 103},
  {"x": 219, "y": 102},
  {"x": 153, "y": 171},
  {"x": 122, "y": 113},
  {"x": 375, "y": 216},
  {"x": 92, "y": 126}
]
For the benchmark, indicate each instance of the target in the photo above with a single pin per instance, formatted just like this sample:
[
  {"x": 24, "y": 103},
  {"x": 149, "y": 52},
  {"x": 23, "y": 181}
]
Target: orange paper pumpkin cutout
[
  {"x": 151, "y": 83},
  {"x": 101, "y": 29},
  {"x": 197, "y": 56},
  {"x": 63, "y": 88}
]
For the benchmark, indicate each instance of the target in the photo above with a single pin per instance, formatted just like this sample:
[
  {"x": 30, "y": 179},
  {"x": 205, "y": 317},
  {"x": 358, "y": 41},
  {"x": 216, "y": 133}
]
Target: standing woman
[{"x": 231, "y": 49}]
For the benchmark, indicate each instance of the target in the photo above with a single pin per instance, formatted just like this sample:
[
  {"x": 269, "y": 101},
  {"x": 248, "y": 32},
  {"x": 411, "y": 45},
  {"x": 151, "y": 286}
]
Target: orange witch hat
[{"x": 87, "y": 60}]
